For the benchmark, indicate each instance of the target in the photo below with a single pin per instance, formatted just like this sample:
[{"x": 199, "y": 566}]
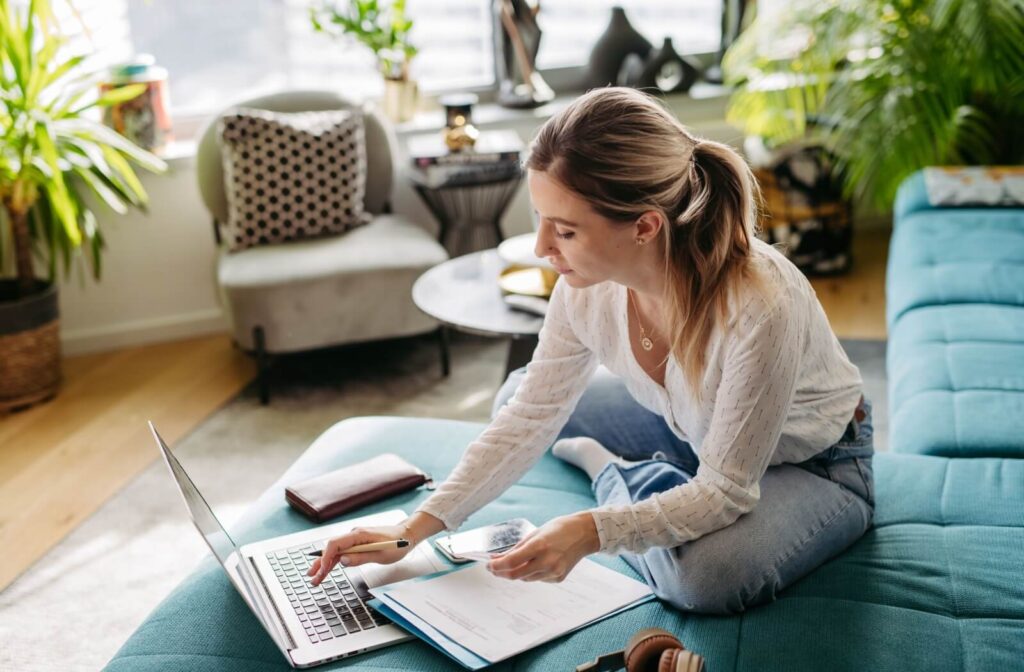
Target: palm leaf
[
  {"x": 50, "y": 154},
  {"x": 909, "y": 84},
  {"x": 112, "y": 97},
  {"x": 59, "y": 198}
]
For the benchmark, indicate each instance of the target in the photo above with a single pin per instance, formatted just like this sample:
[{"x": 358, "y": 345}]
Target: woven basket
[
  {"x": 811, "y": 220},
  {"x": 29, "y": 347}
]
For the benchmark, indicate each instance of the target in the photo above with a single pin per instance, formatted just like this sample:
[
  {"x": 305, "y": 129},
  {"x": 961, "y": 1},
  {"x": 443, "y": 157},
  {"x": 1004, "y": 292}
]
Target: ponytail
[{"x": 708, "y": 251}]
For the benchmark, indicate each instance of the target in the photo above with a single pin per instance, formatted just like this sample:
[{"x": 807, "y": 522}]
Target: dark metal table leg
[
  {"x": 262, "y": 365},
  {"x": 443, "y": 341},
  {"x": 520, "y": 351}
]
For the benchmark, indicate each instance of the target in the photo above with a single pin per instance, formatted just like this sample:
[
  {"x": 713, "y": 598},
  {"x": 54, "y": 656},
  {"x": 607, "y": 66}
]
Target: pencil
[{"x": 368, "y": 548}]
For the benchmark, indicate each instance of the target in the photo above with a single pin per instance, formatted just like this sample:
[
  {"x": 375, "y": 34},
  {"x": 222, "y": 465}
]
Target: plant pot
[
  {"x": 29, "y": 346},
  {"x": 400, "y": 97}
]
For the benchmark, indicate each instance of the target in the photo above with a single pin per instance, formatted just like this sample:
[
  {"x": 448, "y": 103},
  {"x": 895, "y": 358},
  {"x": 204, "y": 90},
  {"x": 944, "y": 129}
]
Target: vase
[
  {"x": 669, "y": 72},
  {"x": 400, "y": 98},
  {"x": 617, "y": 42}
]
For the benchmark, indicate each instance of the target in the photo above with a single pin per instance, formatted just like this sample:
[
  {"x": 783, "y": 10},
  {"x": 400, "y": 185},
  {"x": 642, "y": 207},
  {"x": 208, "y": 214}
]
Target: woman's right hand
[{"x": 334, "y": 552}]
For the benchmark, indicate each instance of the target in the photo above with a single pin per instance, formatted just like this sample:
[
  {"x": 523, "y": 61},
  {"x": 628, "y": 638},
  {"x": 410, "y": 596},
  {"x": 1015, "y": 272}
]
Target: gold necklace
[{"x": 645, "y": 342}]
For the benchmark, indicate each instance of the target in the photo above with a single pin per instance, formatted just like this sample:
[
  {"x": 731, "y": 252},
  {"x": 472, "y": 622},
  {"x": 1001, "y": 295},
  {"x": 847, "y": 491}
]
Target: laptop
[{"x": 310, "y": 626}]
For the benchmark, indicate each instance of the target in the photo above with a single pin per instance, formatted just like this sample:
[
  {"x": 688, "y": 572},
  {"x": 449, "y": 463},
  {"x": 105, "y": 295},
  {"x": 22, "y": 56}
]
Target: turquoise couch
[{"x": 936, "y": 585}]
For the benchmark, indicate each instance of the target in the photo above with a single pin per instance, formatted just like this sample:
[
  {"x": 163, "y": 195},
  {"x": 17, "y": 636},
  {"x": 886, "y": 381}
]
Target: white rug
[{"x": 74, "y": 609}]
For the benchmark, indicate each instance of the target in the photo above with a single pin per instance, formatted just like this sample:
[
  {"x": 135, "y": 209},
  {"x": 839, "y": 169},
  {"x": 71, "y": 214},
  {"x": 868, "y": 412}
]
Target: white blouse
[{"x": 778, "y": 388}]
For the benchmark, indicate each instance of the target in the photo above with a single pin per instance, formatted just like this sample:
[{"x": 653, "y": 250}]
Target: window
[{"x": 217, "y": 51}]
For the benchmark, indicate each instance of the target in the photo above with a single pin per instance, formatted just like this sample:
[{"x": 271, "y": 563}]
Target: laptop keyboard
[{"x": 333, "y": 609}]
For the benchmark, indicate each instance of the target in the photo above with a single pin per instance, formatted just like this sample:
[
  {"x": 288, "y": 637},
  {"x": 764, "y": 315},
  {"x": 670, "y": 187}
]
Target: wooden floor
[
  {"x": 855, "y": 302},
  {"x": 62, "y": 460}
]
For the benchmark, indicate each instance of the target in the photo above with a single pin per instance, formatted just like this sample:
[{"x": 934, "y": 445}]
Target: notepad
[{"x": 479, "y": 619}]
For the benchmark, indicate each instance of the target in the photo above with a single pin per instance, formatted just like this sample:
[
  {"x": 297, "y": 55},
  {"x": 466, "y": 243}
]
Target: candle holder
[{"x": 459, "y": 131}]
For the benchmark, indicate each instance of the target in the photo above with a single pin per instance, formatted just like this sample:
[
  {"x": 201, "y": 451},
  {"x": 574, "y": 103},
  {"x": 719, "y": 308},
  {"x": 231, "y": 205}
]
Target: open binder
[{"x": 478, "y": 619}]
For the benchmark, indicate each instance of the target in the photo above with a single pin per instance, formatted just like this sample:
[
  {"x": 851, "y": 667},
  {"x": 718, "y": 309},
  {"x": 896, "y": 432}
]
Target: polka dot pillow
[{"x": 290, "y": 176}]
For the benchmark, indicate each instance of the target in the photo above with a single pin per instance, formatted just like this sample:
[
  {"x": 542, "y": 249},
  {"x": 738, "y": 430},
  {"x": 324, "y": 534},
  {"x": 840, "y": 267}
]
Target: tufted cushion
[
  {"x": 292, "y": 175},
  {"x": 935, "y": 586},
  {"x": 955, "y": 256},
  {"x": 956, "y": 381},
  {"x": 955, "y": 309}
]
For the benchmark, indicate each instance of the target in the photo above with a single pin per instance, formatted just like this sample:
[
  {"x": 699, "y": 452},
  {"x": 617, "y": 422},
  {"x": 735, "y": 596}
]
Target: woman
[{"x": 731, "y": 453}]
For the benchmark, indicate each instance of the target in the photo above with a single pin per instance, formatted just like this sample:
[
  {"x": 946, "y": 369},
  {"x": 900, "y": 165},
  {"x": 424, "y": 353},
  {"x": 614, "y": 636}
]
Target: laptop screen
[
  {"x": 202, "y": 515},
  {"x": 216, "y": 536}
]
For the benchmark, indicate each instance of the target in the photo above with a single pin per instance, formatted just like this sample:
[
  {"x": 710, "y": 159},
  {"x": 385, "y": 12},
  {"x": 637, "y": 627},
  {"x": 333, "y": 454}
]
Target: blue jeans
[{"x": 808, "y": 512}]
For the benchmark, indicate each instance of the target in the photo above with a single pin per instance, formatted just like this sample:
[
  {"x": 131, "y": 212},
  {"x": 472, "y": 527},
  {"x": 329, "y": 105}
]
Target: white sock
[{"x": 585, "y": 453}]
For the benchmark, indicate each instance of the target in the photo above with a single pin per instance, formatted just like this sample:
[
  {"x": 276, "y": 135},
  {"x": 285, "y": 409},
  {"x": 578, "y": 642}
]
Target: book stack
[{"x": 495, "y": 157}]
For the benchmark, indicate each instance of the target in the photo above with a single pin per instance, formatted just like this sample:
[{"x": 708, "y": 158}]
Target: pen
[{"x": 375, "y": 546}]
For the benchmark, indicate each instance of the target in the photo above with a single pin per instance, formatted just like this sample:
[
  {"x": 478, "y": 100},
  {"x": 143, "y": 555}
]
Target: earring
[{"x": 640, "y": 241}]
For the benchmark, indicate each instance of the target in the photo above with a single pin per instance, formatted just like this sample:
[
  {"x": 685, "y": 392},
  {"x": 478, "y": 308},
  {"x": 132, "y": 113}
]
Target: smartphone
[{"x": 488, "y": 539}]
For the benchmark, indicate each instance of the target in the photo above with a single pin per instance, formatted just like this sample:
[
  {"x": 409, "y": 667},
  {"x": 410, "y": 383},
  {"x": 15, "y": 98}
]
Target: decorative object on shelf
[
  {"x": 669, "y": 72},
  {"x": 385, "y": 30},
  {"x": 52, "y": 154},
  {"x": 146, "y": 118},
  {"x": 516, "y": 43},
  {"x": 467, "y": 191},
  {"x": 459, "y": 131},
  {"x": 803, "y": 205},
  {"x": 734, "y": 19},
  {"x": 608, "y": 57},
  {"x": 895, "y": 87},
  {"x": 401, "y": 96}
]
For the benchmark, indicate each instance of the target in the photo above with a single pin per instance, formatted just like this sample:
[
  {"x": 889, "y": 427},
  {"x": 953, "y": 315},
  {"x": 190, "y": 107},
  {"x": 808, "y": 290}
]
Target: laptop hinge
[{"x": 267, "y": 599}]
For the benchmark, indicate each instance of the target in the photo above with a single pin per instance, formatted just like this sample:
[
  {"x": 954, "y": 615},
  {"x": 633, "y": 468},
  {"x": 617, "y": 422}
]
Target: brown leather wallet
[{"x": 334, "y": 493}]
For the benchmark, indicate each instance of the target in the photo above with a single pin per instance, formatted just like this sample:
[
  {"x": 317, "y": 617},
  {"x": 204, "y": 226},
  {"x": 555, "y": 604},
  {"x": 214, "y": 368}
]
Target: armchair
[{"x": 315, "y": 293}]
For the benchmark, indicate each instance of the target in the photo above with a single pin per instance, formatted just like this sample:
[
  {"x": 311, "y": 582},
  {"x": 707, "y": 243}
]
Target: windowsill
[
  {"x": 701, "y": 101},
  {"x": 701, "y": 97}
]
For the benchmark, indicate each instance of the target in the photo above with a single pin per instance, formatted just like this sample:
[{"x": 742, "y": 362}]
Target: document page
[{"x": 497, "y": 618}]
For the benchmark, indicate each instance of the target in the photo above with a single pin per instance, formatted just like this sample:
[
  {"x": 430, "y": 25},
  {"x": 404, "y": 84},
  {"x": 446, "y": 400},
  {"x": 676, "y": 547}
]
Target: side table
[
  {"x": 470, "y": 206},
  {"x": 463, "y": 294}
]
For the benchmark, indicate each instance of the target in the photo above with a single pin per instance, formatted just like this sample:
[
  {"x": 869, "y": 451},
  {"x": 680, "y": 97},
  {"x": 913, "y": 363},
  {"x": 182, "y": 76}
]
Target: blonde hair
[{"x": 625, "y": 154}]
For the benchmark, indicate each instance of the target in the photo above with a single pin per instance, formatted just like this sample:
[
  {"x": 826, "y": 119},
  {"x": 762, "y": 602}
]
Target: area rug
[{"x": 73, "y": 609}]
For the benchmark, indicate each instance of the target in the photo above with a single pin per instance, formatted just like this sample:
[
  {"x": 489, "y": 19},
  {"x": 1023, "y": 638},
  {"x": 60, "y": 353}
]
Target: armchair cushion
[
  {"x": 292, "y": 175},
  {"x": 340, "y": 289}
]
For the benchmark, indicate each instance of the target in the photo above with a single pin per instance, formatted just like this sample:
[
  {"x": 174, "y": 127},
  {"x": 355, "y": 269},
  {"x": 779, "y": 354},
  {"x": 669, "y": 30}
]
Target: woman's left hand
[{"x": 550, "y": 552}]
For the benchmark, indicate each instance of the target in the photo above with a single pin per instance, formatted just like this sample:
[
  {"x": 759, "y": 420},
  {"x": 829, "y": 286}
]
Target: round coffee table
[{"x": 463, "y": 294}]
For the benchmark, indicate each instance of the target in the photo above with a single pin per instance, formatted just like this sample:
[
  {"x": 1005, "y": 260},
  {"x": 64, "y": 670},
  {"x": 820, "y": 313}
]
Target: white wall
[{"x": 159, "y": 269}]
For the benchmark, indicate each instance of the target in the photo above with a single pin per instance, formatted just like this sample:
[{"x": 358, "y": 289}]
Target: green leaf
[
  {"x": 903, "y": 84},
  {"x": 96, "y": 247},
  {"x": 113, "y": 97},
  {"x": 135, "y": 190},
  {"x": 103, "y": 191},
  {"x": 56, "y": 186},
  {"x": 15, "y": 44},
  {"x": 93, "y": 132}
]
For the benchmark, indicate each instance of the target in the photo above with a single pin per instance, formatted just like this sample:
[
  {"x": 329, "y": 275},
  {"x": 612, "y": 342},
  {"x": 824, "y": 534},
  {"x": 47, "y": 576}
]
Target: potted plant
[
  {"x": 886, "y": 87},
  {"x": 52, "y": 154},
  {"x": 385, "y": 30}
]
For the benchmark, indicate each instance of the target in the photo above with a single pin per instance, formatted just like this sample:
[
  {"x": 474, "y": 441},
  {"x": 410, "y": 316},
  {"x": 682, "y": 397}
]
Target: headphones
[{"x": 650, "y": 650}]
